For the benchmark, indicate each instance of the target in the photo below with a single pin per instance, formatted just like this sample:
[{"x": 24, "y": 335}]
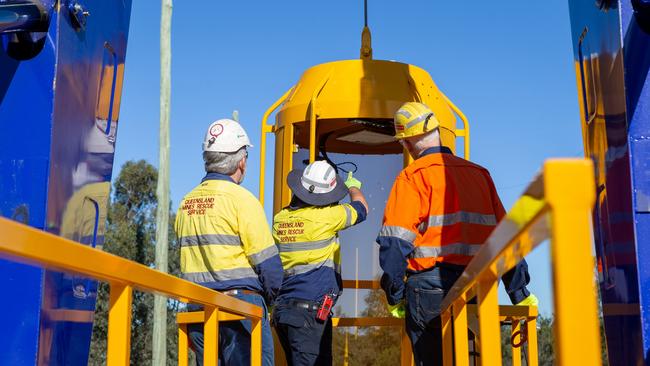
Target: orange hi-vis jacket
[{"x": 441, "y": 208}]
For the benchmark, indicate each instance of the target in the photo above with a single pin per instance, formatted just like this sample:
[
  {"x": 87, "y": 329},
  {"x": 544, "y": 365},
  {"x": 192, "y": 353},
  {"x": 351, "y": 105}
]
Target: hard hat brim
[{"x": 316, "y": 199}]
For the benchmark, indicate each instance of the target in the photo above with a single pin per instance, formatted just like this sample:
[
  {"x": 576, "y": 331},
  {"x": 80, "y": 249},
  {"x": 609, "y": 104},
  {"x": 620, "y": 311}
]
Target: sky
[{"x": 507, "y": 65}]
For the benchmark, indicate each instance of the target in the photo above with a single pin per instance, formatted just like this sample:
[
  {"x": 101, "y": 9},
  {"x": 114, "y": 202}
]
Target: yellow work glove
[
  {"x": 352, "y": 182},
  {"x": 531, "y": 300},
  {"x": 398, "y": 310}
]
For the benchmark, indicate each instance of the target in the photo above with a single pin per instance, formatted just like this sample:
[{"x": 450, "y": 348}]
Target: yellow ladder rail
[
  {"x": 21, "y": 243},
  {"x": 556, "y": 206}
]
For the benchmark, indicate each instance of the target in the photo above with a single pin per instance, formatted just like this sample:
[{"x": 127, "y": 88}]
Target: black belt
[
  {"x": 440, "y": 267},
  {"x": 237, "y": 291},
  {"x": 307, "y": 305}
]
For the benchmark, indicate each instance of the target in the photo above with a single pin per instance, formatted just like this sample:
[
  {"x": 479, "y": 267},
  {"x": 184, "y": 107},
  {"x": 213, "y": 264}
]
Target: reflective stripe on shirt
[
  {"x": 398, "y": 232},
  {"x": 459, "y": 217},
  {"x": 263, "y": 255},
  {"x": 348, "y": 214},
  {"x": 304, "y": 268},
  {"x": 208, "y": 239},
  {"x": 449, "y": 249},
  {"x": 221, "y": 275},
  {"x": 306, "y": 245}
]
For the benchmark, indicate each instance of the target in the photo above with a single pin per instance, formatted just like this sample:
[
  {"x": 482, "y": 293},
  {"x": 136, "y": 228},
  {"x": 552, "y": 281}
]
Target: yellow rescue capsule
[{"x": 348, "y": 107}]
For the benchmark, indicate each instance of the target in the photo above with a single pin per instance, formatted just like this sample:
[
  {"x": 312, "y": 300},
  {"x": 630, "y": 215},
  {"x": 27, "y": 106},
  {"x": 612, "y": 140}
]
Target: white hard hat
[
  {"x": 318, "y": 184},
  {"x": 318, "y": 177},
  {"x": 225, "y": 135}
]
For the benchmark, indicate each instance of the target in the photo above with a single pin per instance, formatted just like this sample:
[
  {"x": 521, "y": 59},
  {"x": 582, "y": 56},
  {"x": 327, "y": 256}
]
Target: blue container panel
[
  {"x": 58, "y": 123},
  {"x": 26, "y": 102},
  {"x": 637, "y": 88},
  {"x": 607, "y": 73},
  {"x": 89, "y": 75}
]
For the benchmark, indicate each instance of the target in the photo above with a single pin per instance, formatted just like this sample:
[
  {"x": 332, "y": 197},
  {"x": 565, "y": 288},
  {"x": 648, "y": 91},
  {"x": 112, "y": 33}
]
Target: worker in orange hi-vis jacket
[{"x": 440, "y": 211}]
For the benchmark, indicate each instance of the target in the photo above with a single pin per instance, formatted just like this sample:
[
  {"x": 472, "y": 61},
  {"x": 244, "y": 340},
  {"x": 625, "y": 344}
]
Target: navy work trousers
[
  {"x": 235, "y": 338},
  {"x": 424, "y": 293},
  {"x": 306, "y": 341}
]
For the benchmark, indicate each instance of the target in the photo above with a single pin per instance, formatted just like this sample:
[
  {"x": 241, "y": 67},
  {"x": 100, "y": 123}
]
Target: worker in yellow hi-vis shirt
[
  {"x": 226, "y": 243},
  {"x": 306, "y": 233}
]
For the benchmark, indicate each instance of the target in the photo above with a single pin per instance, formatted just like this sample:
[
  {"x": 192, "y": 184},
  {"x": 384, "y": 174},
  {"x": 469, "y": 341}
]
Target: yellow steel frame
[
  {"x": 183, "y": 319},
  {"x": 313, "y": 116},
  {"x": 563, "y": 196},
  {"x": 267, "y": 128},
  {"x": 464, "y": 133},
  {"x": 512, "y": 314},
  {"x": 24, "y": 244}
]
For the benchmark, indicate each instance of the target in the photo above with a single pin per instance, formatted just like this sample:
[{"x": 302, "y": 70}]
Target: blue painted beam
[{"x": 59, "y": 111}]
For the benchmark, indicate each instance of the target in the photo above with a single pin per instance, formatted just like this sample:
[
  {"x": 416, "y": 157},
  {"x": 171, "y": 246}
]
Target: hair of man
[{"x": 223, "y": 162}]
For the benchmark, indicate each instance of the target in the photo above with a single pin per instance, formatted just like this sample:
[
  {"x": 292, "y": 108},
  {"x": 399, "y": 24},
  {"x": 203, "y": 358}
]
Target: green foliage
[
  {"x": 381, "y": 345},
  {"x": 372, "y": 345},
  {"x": 131, "y": 234},
  {"x": 546, "y": 355},
  {"x": 545, "y": 339}
]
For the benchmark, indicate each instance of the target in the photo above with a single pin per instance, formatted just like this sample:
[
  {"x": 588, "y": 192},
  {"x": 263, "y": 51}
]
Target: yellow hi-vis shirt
[
  {"x": 225, "y": 239},
  {"x": 307, "y": 239}
]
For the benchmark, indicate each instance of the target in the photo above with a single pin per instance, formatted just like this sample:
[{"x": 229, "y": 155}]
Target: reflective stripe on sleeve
[
  {"x": 398, "y": 232},
  {"x": 263, "y": 255},
  {"x": 207, "y": 239},
  {"x": 348, "y": 216},
  {"x": 306, "y": 245},
  {"x": 222, "y": 275},
  {"x": 458, "y": 217},
  {"x": 304, "y": 268},
  {"x": 449, "y": 249}
]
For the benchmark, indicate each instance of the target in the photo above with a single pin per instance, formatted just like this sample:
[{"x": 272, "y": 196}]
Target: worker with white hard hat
[
  {"x": 226, "y": 243},
  {"x": 306, "y": 233},
  {"x": 440, "y": 211}
]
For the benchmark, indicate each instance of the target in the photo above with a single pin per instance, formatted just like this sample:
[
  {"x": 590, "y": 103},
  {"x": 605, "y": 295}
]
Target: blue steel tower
[
  {"x": 61, "y": 71},
  {"x": 611, "y": 41}
]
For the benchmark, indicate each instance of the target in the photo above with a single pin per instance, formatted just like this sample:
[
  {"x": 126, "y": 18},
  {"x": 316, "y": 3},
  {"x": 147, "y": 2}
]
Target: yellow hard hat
[{"x": 413, "y": 119}]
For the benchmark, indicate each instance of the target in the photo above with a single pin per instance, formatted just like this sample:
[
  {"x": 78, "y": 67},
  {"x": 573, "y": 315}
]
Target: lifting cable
[
  {"x": 365, "y": 13},
  {"x": 337, "y": 166},
  {"x": 323, "y": 156}
]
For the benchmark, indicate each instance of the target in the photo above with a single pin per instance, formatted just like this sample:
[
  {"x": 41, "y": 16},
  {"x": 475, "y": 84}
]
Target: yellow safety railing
[
  {"x": 267, "y": 128},
  {"x": 464, "y": 133},
  {"x": 24, "y": 244},
  {"x": 183, "y": 319},
  {"x": 513, "y": 315},
  {"x": 556, "y": 206}
]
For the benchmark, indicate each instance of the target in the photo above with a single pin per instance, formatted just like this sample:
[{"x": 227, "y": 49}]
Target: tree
[
  {"x": 381, "y": 345},
  {"x": 546, "y": 356},
  {"x": 131, "y": 234},
  {"x": 373, "y": 345},
  {"x": 545, "y": 340}
]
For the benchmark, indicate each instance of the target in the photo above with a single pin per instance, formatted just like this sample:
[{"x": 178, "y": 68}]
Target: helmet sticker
[{"x": 216, "y": 130}]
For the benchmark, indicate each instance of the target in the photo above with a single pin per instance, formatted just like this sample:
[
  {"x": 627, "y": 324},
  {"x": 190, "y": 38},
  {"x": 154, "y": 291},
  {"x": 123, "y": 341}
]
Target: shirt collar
[
  {"x": 436, "y": 150},
  {"x": 217, "y": 176}
]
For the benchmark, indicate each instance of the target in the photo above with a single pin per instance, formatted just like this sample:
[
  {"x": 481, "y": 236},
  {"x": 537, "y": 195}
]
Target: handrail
[
  {"x": 556, "y": 206},
  {"x": 266, "y": 128},
  {"x": 312, "y": 118},
  {"x": 460, "y": 133},
  {"x": 21, "y": 243},
  {"x": 507, "y": 313},
  {"x": 406, "y": 356}
]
